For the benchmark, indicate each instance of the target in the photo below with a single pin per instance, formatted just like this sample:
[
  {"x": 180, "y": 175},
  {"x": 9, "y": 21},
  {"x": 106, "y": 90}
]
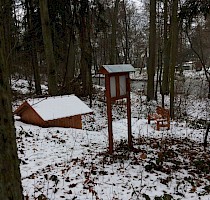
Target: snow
[
  {"x": 119, "y": 68},
  {"x": 59, "y": 107},
  {"x": 66, "y": 163},
  {"x": 81, "y": 169},
  {"x": 138, "y": 3}
]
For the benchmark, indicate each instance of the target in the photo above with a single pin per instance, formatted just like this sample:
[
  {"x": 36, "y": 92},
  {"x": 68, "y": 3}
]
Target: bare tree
[
  {"x": 30, "y": 14},
  {"x": 152, "y": 51},
  {"x": 166, "y": 54},
  {"x": 173, "y": 52},
  {"x": 48, "y": 45},
  {"x": 86, "y": 49},
  {"x": 10, "y": 181},
  {"x": 113, "y": 50}
]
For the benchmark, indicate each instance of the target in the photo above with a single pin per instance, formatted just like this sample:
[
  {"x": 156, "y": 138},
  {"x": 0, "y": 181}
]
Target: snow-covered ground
[{"x": 66, "y": 163}]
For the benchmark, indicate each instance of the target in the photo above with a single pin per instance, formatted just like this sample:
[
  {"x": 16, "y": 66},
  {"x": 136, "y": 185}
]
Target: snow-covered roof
[
  {"x": 119, "y": 68},
  {"x": 59, "y": 106}
]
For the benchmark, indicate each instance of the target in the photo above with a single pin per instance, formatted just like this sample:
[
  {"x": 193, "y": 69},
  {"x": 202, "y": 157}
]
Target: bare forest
[{"x": 54, "y": 49}]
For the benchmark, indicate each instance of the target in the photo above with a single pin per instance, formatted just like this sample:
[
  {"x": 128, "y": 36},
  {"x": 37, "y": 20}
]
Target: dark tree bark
[
  {"x": 34, "y": 61},
  {"x": 126, "y": 27},
  {"x": 86, "y": 50},
  {"x": 48, "y": 45},
  {"x": 152, "y": 51},
  {"x": 7, "y": 31},
  {"x": 173, "y": 53},
  {"x": 159, "y": 55},
  {"x": 166, "y": 53},
  {"x": 10, "y": 180},
  {"x": 206, "y": 135},
  {"x": 113, "y": 50},
  {"x": 70, "y": 64},
  {"x": 71, "y": 50}
]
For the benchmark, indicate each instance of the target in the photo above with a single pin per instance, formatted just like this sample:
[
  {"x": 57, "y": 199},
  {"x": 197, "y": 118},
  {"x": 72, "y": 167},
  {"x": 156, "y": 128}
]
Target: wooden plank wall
[
  {"x": 73, "y": 122},
  {"x": 31, "y": 117}
]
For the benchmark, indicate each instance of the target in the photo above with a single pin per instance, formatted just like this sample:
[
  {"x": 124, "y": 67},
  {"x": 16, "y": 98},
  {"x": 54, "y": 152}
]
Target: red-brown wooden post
[
  {"x": 109, "y": 112},
  {"x": 130, "y": 143}
]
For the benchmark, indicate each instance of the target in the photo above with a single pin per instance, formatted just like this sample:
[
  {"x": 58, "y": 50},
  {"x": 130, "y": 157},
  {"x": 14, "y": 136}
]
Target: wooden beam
[
  {"x": 109, "y": 112},
  {"x": 130, "y": 143}
]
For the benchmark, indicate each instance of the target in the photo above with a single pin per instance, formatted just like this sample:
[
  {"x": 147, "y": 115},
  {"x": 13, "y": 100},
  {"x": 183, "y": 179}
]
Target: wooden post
[
  {"x": 209, "y": 89},
  {"x": 109, "y": 113},
  {"x": 130, "y": 143}
]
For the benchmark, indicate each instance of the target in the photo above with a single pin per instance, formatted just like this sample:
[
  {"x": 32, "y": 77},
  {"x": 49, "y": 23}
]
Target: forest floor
[{"x": 66, "y": 163}]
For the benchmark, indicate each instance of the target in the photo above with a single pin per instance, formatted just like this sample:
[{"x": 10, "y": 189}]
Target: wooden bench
[{"x": 161, "y": 117}]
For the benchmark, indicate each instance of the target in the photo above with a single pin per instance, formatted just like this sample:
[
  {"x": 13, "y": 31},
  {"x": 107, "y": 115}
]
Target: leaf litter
[{"x": 66, "y": 163}]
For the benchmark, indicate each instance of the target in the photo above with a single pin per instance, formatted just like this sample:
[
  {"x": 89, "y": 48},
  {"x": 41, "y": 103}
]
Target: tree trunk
[
  {"x": 152, "y": 51},
  {"x": 10, "y": 180},
  {"x": 34, "y": 61},
  {"x": 173, "y": 53},
  {"x": 86, "y": 51},
  {"x": 159, "y": 74},
  {"x": 166, "y": 52},
  {"x": 8, "y": 22},
  {"x": 113, "y": 50},
  {"x": 36, "y": 71},
  {"x": 159, "y": 55},
  {"x": 70, "y": 64},
  {"x": 126, "y": 57},
  {"x": 71, "y": 48},
  {"x": 48, "y": 45},
  {"x": 206, "y": 136}
]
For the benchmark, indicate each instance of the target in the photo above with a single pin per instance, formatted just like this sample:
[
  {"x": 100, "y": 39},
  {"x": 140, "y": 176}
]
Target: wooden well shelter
[{"x": 58, "y": 111}]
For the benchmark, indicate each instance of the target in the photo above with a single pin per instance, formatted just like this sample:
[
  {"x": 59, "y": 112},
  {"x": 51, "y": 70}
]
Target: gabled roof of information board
[{"x": 119, "y": 68}]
